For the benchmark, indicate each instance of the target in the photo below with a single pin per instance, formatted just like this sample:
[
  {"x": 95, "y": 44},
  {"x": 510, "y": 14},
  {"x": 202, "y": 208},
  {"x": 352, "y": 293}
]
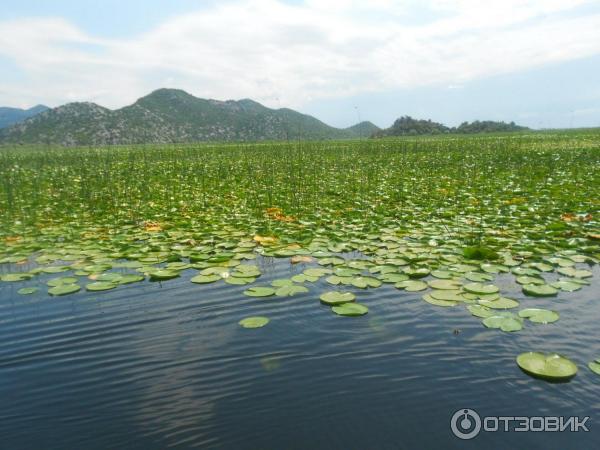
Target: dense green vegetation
[
  {"x": 441, "y": 215},
  {"x": 169, "y": 116},
  {"x": 407, "y": 126}
]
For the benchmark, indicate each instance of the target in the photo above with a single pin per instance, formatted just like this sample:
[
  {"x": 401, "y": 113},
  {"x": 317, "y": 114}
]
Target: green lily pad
[
  {"x": 525, "y": 279},
  {"x": 447, "y": 295},
  {"x": 317, "y": 272},
  {"x": 566, "y": 286},
  {"x": 480, "y": 311},
  {"x": 27, "y": 290},
  {"x": 500, "y": 303},
  {"x": 100, "y": 286},
  {"x": 259, "y": 291},
  {"x": 441, "y": 274},
  {"x": 61, "y": 280},
  {"x": 289, "y": 290},
  {"x": 129, "y": 278},
  {"x": 254, "y": 322},
  {"x": 444, "y": 284},
  {"x": 504, "y": 321},
  {"x": 537, "y": 315},
  {"x": 365, "y": 282},
  {"x": 159, "y": 275},
  {"x": 595, "y": 366},
  {"x": 350, "y": 310},
  {"x": 479, "y": 288},
  {"x": 14, "y": 277},
  {"x": 412, "y": 285},
  {"x": 204, "y": 279},
  {"x": 535, "y": 290},
  {"x": 434, "y": 301},
  {"x": 64, "y": 289},
  {"x": 478, "y": 277},
  {"x": 393, "y": 277},
  {"x": 550, "y": 366},
  {"x": 574, "y": 273},
  {"x": 337, "y": 298}
]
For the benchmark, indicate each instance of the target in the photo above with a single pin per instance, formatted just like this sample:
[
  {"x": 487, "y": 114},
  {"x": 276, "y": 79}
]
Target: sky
[{"x": 532, "y": 61}]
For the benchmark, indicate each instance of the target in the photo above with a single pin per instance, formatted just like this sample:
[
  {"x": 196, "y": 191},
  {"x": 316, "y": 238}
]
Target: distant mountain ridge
[
  {"x": 172, "y": 115},
  {"x": 10, "y": 116}
]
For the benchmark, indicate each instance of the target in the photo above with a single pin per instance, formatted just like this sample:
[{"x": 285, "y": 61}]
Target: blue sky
[{"x": 532, "y": 61}]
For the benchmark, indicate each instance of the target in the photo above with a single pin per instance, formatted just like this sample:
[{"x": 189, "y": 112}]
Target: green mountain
[
  {"x": 407, "y": 126},
  {"x": 169, "y": 116},
  {"x": 10, "y": 116}
]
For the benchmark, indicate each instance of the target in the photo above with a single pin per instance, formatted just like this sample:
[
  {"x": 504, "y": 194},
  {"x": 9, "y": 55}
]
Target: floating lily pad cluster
[{"x": 445, "y": 220}]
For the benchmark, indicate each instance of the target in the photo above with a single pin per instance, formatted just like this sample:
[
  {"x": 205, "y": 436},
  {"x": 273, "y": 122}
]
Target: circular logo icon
[{"x": 465, "y": 424}]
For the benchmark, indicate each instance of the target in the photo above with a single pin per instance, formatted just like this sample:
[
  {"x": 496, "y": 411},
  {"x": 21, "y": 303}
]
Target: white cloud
[{"x": 270, "y": 50}]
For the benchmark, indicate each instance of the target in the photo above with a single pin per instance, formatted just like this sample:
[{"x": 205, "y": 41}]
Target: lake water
[{"x": 165, "y": 365}]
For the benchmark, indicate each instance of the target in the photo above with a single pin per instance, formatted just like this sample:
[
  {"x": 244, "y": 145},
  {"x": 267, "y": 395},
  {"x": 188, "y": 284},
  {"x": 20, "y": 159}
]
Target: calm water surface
[{"x": 165, "y": 365}]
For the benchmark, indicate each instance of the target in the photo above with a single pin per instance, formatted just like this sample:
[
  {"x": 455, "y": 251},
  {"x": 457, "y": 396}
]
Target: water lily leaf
[
  {"x": 64, "y": 289},
  {"x": 334, "y": 261},
  {"x": 282, "y": 282},
  {"x": 365, "y": 282},
  {"x": 500, "y": 303},
  {"x": 595, "y": 366},
  {"x": 506, "y": 322},
  {"x": 129, "y": 278},
  {"x": 259, "y": 291},
  {"x": 537, "y": 315},
  {"x": 480, "y": 311},
  {"x": 536, "y": 290},
  {"x": 317, "y": 272},
  {"x": 27, "y": 290},
  {"x": 444, "y": 284},
  {"x": 447, "y": 295},
  {"x": 442, "y": 274},
  {"x": 239, "y": 281},
  {"x": 337, "y": 298},
  {"x": 412, "y": 285},
  {"x": 393, "y": 277},
  {"x": 566, "y": 286},
  {"x": 254, "y": 322},
  {"x": 203, "y": 279},
  {"x": 434, "y": 301},
  {"x": 14, "y": 277},
  {"x": 551, "y": 366},
  {"x": 478, "y": 277},
  {"x": 301, "y": 278},
  {"x": 61, "y": 280},
  {"x": 350, "y": 309},
  {"x": 525, "y": 279},
  {"x": 100, "y": 286},
  {"x": 55, "y": 269},
  {"x": 290, "y": 290},
  {"x": 574, "y": 273},
  {"x": 158, "y": 275},
  {"x": 479, "y": 288},
  {"x": 419, "y": 272}
]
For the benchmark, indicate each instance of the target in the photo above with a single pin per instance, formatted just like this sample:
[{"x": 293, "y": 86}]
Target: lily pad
[
  {"x": 479, "y": 288},
  {"x": 535, "y": 290},
  {"x": 64, "y": 289},
  {"x": 365, "y": 282},
  {"x": 254, "y": 322},
  {"x": 595, "y": 366},
  {"x": 537, "y": 315},
  {"x": 350, "y": 309},
  {"x": 480, "y": 311},
  {"x": 500, "y": 303},
  {"x": 100, "y": 286},
  {"x": 412, "y": 285},
  {"x": 159, "y": 275},
  {"x": 289, "y": 290},
  {"x": 204, "y": 279},
  {"x": 504, "y": 321},
  {"x": 434, "y": 301},
  {"x": 27, "y": 290},
  {"x": 337, "y": 298},
  {"x": 259, "y": 291},
  {"x": 551, "y": 366}
]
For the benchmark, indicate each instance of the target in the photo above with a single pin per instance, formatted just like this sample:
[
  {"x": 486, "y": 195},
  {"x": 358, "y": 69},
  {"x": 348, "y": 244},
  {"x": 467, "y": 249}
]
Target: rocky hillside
[{"x": 170, "y": 116}]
